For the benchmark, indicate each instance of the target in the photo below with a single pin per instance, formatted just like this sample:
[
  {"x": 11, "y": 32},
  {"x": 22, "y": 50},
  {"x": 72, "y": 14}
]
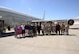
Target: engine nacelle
[{"x": 70, "y": 22}]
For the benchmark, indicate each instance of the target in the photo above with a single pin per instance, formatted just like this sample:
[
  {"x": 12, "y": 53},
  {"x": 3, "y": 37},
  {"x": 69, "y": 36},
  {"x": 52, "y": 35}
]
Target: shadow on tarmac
[{"x": 12, "y": 34}]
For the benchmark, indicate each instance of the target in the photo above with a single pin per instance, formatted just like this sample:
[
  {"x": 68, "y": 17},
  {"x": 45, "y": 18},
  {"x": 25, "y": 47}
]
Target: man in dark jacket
[
  {"x": 57, "y": 28},
  {"x": 38, "y": 28}
]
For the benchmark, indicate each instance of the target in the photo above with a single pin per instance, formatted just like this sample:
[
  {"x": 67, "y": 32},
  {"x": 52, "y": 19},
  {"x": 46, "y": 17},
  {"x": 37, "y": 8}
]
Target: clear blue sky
[{"x": 55, "y": 9}]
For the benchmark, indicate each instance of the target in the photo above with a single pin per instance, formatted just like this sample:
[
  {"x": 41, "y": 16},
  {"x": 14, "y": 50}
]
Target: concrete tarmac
[{"x": 52, "y": 44}]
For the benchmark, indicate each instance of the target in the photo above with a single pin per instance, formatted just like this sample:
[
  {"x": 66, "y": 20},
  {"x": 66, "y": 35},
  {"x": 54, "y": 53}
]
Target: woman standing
[
  {"x": 19, "y": 31},
  {"x": 16, "y": 30}
]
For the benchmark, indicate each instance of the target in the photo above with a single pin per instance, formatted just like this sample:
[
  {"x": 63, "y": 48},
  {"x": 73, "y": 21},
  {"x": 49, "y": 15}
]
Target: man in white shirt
[{"x": 23, "y": 30}]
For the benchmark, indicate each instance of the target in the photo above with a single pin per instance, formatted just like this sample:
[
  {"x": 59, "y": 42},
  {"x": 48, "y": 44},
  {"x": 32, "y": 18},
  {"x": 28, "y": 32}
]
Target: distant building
[{"x": 12, "y": 17}]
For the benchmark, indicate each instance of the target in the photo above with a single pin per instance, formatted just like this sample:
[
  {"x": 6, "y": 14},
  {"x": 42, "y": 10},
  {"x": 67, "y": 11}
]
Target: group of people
[{"x": 34, "y": 29}]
